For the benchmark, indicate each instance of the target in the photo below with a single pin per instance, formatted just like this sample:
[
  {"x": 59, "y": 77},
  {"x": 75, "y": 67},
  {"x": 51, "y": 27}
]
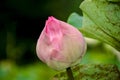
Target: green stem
[{"x": 69, "y": 73}]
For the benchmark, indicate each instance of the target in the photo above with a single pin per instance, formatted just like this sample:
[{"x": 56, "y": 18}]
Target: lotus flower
[{"x": 60, "y": 45}]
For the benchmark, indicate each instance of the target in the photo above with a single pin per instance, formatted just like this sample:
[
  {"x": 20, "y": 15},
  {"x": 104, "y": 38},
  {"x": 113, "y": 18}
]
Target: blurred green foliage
[{"x": 36, "y": 71}]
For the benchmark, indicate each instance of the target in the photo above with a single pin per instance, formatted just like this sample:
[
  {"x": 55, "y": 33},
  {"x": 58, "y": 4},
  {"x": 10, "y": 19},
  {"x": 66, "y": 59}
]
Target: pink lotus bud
[{"x": 60, "y": 45}]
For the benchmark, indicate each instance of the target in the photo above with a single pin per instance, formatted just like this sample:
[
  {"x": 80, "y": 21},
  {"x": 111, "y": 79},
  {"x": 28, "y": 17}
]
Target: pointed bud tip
[{"x": 51, "y": 18}]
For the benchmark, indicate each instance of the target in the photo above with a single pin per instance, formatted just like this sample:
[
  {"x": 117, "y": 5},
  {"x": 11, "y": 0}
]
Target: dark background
[{"x": 21, "y": 22}]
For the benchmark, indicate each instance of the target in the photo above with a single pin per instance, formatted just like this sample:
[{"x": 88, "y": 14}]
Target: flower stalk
[{"x": 69, "y": 73}]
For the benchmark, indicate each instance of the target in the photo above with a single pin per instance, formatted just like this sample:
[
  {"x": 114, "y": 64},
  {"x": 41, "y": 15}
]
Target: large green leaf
[
  {"x": 90, "y": 29},
  {"x": 101, "y": 20}
]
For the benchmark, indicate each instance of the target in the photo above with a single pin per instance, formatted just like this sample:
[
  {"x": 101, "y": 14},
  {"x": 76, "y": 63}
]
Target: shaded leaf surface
[
  {"x": 92, "y": 72},
  {"x": 102, "y": 21}
]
